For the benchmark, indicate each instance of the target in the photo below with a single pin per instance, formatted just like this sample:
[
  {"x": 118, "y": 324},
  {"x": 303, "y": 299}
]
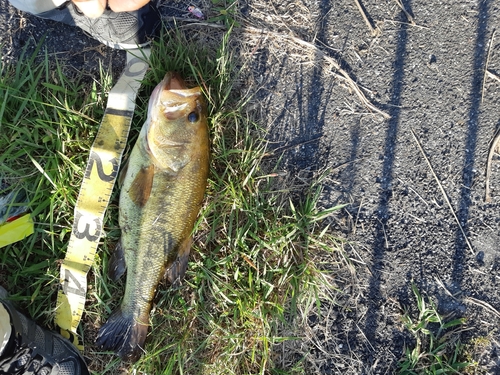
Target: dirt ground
[{"x": 412, "y": 174}]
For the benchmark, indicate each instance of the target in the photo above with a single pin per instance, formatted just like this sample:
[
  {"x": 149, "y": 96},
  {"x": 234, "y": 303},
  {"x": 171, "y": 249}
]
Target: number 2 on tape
[
  {"x": 95, "y": 158},
  {"x": 93, "y": 199}
]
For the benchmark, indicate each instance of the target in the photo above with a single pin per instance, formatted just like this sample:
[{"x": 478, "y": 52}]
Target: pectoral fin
[
  {"x": 140, "y": 190},
  {"x": 176, "y": 271}
]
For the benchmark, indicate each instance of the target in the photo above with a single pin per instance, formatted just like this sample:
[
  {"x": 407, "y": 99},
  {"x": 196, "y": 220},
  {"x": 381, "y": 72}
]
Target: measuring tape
[{"x": 95, "y": 192}]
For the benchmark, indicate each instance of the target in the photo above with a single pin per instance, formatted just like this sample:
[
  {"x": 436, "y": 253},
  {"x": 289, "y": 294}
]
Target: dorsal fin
[
  {"x": 123, "y": 172},
  {"x": 117, "y": 265}
]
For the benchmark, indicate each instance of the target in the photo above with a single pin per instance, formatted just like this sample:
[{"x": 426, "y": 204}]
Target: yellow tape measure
[{"x": 93, "y": 199}]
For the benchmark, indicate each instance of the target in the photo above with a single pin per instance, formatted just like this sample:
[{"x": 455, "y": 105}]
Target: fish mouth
[
  {"x": 176, "y": 87},
  {"x": 171, "y": 92},
  {"x": 173, "y": 81},
  {"x": 172, "y": 98}
]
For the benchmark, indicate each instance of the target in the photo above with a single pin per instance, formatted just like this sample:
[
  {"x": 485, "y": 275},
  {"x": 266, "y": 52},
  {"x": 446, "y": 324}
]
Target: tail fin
[{"x": 123, "y": 334}]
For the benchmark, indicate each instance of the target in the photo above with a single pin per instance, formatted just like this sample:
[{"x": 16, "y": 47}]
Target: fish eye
[{"x": 193, "y": 117}]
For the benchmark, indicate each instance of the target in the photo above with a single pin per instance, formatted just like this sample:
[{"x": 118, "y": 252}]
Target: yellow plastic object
[
  {"x": 16, "y": 230},
  {"x": 95, "y": 192}
]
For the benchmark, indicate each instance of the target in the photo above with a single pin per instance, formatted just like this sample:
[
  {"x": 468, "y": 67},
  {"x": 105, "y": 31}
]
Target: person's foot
[
  {"x": 36, "y": 351},
  {"x": 120, "y": 30}
]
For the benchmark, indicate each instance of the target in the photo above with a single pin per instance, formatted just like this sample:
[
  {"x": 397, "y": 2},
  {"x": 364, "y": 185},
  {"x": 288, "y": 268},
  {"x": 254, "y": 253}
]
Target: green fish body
[{"x": 160, "y": 199}]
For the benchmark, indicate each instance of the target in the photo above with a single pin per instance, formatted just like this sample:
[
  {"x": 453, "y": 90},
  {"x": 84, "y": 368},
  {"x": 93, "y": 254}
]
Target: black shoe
[
  {"x": 120, "y": 30},
  {"x": 33, "y": 350}
]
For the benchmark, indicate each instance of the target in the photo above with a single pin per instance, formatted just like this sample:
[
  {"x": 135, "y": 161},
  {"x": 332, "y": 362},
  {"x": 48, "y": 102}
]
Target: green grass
[
  {"x": 45, "y": 131},
  {"x": 256, "y": 251},
  {"x": 226, "y": 11},
  {"x": 437, "y": 349}
]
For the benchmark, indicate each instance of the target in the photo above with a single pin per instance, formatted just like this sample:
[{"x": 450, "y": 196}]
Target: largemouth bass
[{"x": 161, "y": 196}]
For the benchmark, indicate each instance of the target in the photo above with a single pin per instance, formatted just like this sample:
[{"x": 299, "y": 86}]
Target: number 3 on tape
[{"x": 93, "y": 199}]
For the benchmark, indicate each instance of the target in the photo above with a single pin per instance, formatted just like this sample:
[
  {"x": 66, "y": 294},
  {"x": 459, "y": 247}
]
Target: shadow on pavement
[
  {"x": 461, "y": 246},
  {"x": 382, "y": 212}
]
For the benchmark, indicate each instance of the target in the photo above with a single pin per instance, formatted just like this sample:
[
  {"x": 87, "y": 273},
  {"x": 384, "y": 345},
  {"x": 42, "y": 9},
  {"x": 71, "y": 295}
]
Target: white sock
[
  {"x": 5, "y": 328},
  {"x": 36, "y": 6}
]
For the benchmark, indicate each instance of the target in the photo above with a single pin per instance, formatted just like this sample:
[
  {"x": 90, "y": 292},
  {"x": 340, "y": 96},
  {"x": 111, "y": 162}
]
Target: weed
[
  {"x": 437, "y": 350},
  {"x": 226, "y": 12}
]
